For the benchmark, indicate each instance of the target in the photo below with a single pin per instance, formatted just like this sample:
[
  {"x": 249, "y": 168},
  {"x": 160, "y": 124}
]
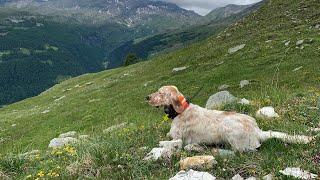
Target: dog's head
[{"x": 166, "y": 96}]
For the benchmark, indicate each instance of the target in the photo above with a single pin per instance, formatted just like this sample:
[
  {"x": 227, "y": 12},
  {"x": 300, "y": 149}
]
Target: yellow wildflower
[
  {"x": 41, "y": 174},
  {"x": 165, "y": 118}
]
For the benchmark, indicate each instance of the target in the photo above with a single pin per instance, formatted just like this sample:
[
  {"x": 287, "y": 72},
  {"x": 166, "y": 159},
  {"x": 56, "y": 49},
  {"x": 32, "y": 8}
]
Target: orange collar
[{"x": 183, "y": 101}]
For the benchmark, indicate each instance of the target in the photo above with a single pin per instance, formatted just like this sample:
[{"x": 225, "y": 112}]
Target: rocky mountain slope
[{"x": 276, "y": 49}]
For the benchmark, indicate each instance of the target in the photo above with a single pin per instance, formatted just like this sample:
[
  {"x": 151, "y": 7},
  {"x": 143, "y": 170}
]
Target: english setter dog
[{"x": 196, "y": 125}]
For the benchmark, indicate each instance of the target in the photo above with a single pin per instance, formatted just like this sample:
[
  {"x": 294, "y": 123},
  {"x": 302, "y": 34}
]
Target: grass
[{"x": 117, "y": 96}]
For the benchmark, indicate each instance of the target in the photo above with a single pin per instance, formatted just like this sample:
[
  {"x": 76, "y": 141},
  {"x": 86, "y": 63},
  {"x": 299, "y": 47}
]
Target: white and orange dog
[{"x": 196, "y": 125}]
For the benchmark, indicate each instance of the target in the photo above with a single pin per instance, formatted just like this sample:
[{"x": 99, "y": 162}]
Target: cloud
[{"x": 205, "y": 6}]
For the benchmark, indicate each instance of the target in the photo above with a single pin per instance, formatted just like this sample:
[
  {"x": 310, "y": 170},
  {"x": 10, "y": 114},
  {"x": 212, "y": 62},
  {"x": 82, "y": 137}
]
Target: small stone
[
  {"x": 45, "y": 111},
  {"x": 89, "y": 83},
  {"x": 237, "y": 177},
  {"x": 219, "y": 99},
  {"x": 174, "y": 144},
  {"x": 300, "y": 42},
  {"x": 159, "y": 153},
  {"x": 244, "y": 101},
  {"x": 179, "y": 69},
  {"x": 244, "y": 83},
  {"x": 30, "y": 153},
  {"x": 194, "y": 148},
  {"x": 298, "y": 173},
  {"x": 268, "y": 177},
  {"x": 115, "y": 127},
  {"x": 68, "y": 134},
  {"x": 60, "y": 142},
  {"x": 13, "y": 125},
  {"x": 267, "y": 113},
  {"x": 297, "y": 69},
  {"x": 192, "y": 175},
  {"x": 59, "y": 98},
  {"x": 223, "y": 87},
  {"x": 268, "y": 41},
  {"x": 287, "y": 43},
  {"x": 222, "y": 152},
  {"x": 251, "y": 178},
  {"x": 317, "y": 26},
  {"x": 198, "y": 162},
  {"x": 236, "y": 48},
  {"x": 84, "y": 137}
]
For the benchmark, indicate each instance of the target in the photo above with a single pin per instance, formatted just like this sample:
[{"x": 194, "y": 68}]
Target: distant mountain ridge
[{"x": 128, "y": 12}]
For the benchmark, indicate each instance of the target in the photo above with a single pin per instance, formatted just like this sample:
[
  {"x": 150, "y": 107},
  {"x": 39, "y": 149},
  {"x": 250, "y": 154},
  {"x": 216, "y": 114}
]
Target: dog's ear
[{"x": 176, "y": 103}]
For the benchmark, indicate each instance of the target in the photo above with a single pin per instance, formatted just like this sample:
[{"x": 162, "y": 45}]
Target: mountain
[
  {"x": 43, "y": 42},
  {"x": 280, "y": 59},
  {"x": 128, "y": 12},
  {"x": 177, "y": 39},
  {"x": 224, "y": 12}
]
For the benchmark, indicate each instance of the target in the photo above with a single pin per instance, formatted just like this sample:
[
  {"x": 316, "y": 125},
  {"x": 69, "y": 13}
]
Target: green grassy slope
[{"x": 117, "y": 96}]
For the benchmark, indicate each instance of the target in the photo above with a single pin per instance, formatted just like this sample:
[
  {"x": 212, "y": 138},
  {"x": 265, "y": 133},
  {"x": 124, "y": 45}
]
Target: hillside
[
  {"x": 283, "y": 71},
  {"x": 224, "y": 12},
  {"x": 170, "y": 41}
]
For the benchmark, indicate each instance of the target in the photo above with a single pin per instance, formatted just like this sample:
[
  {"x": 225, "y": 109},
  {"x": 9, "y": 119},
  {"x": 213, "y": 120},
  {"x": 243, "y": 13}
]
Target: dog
[{"x": 196, "y": 125}]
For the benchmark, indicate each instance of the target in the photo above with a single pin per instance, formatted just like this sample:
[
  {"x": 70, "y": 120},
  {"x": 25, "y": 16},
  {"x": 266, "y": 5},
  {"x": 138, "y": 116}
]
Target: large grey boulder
[
  {"x": 219, "y": 99},
  {"x": 60, "y": 142},
  {"x": 192, "y": 175},
  {"x": 236, "y": 48}
]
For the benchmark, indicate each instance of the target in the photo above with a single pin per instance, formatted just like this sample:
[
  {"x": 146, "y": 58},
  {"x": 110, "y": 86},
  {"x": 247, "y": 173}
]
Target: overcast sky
[{"x": 205, "y": 6}]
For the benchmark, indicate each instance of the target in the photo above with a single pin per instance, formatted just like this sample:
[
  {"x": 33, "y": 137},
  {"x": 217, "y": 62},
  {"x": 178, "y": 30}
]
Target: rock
[
  {"x": 237, "y": 177},
  {"x": 251, "y": 178},
  {"x": 267, "y": 113},
  {"x": 300, "y": 42},
  {"x": 194, "y": 148},
  {"x": 30, "y": 154},
  {"x": 244, "y": 83},
  {"x": 179, "y": 69},
  {"x": 59, "y": 98},
  {"x": 298, "y": 173},
  {"x": 68, "y": 134},
  {"x": 223, "y": 87},
  {"x": 317, "y": 26},
  {"x": 268, "y": 177},
  {"x": 13, "y": 125},
  {"x": 219, "y": 99},
  {"x": 192, "y": 175},
  {"x": 88, "y": 83},
  {"x": 84, "y": 137},
  {"x": 287, "y": 43},
  {"x": 314, "y": 130},
  {"x": 197, "y": 162},
  {"x": 159, "y": 153},
  {"x": 45, "y": 111},
  {"x": 174, "y": 144},
  {"x": 60, "y": 142},
  {"x": 222, "y": 152},
  {"x": 115, "y": 127},
  {"x": 244, "y": 101},
  {"x": 297, "y": 69},
  {"x": 236, "y": 48}
]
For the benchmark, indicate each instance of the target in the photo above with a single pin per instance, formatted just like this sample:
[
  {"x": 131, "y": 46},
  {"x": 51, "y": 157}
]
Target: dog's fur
[{"x": 197, "y": 125}]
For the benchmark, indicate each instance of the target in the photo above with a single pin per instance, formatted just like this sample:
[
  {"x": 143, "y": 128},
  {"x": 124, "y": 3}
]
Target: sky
[{"x": 205, "y": 6}]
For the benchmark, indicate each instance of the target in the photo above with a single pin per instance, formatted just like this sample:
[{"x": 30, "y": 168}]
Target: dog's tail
[{"x": 300, "y": 139}]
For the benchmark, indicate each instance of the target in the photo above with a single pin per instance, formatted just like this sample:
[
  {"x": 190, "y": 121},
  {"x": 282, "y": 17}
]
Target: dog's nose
[{"x": 148, "y": 98}]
